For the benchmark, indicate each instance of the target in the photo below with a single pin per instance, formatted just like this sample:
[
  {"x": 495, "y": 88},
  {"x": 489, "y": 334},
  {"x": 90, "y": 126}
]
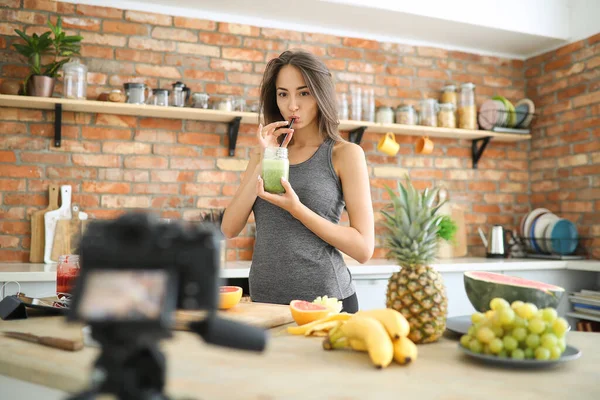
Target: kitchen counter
[
  {"x": 375, "y": 268},
  {"x": 294, "y": 367}
]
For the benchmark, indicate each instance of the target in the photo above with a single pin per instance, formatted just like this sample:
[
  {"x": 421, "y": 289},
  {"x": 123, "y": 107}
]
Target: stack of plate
[
  {"x": 545, "y": 232},
  {"x": 499, "y": 112}
]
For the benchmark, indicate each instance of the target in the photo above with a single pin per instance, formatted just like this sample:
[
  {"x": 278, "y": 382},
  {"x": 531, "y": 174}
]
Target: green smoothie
[{"x": 272, "y": 172}]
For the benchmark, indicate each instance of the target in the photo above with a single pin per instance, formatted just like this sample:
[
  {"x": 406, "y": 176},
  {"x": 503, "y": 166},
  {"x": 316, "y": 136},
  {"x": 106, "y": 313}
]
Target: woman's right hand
[{"x": 267, "y": 136}]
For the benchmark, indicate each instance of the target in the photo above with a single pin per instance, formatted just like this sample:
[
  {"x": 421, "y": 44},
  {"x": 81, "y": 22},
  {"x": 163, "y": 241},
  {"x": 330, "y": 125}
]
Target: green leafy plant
[
  {"x": 60, "y": 47},
  {"x": 447, "y": 229}
]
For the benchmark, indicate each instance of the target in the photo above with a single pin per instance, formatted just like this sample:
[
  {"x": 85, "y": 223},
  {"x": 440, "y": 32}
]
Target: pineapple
[{"x": 412, "y": 237}]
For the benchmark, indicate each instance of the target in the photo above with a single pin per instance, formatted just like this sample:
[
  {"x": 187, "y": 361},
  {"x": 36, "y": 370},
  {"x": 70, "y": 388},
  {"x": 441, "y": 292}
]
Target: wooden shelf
[
  {"x": 139, "y": 110},
  {"x": 234, "y": 118}
]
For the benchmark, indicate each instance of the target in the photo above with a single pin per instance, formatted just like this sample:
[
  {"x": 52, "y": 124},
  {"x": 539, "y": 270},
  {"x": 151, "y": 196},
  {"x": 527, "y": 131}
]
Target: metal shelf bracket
[
  {"x": 477, "y": 151},
  {"x": 232, "y": 133},
  {"x": 57, "y": 124},
  {"x": 356, "y": 135}
]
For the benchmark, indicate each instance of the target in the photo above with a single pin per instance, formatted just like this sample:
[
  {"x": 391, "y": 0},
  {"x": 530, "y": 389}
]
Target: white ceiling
[{"x": 512, "y": 28}]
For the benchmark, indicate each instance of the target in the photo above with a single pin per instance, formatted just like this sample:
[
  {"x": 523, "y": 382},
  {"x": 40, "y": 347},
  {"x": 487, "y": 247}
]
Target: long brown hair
[{"x": 319, "y": 82}]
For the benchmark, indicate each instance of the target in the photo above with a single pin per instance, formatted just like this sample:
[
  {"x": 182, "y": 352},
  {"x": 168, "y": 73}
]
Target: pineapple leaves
[{"x": 413, "y": 228}]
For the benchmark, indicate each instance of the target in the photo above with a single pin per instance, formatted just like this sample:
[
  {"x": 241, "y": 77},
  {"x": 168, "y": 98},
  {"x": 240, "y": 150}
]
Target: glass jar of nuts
[
  {"x": 406, "y": 115},
  {"x": 447, "y": 116}
]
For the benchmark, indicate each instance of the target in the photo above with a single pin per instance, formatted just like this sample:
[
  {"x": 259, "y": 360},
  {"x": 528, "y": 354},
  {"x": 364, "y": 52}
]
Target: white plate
[
  {"x": 539, "y": 230},
  {"x": 548, "y": 235},
  {"x": 528, "y": 221},
  {"x": 571, "y": 353}
]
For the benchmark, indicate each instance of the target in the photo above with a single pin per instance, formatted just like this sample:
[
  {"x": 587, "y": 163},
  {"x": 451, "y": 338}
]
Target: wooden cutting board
[
  {"x": 460, "y": 247},
  {"x": 68, "y": 234},
  {"x": 36, "y": 253},
  {"x": 51, "y": 218},
  {"x": 262, "y": 315}
]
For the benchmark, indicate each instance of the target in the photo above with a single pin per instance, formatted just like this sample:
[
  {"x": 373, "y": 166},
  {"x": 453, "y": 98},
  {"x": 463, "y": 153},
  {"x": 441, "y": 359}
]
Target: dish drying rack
[
  {"x": 501, "y": 127},
  {"x": 544, "y": 248}
]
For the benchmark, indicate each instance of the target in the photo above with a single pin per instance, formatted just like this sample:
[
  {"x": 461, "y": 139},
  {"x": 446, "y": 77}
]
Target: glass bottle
[
  {"x": 447, "y": 116},
  {"x": 67, "y": 271},
  {"x": 467, "y": 110},
  {"x": 275, "y": 165},
  {"x": 368, "y": 105},
  {"x": 74, "y": 80}
]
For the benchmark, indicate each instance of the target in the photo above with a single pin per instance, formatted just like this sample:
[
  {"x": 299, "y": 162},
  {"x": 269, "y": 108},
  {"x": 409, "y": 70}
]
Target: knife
[{"x": 58, "y": 343}]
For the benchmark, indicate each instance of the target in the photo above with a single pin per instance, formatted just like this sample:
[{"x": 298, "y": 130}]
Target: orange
[
  {"x": 229, "y": 296},
  {"x": 305, "y": 312}
]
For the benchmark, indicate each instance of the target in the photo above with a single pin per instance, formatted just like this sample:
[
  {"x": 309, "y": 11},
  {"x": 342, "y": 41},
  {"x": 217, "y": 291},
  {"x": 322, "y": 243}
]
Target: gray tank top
[{"x": 290, "y": 262}]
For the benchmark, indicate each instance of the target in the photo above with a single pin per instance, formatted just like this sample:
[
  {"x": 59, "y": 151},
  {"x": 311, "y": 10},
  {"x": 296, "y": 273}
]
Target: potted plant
[{"x": 41, "y": 79}]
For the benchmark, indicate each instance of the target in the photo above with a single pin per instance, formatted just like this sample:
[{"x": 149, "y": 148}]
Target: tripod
[{"x": 129, "y": 371}]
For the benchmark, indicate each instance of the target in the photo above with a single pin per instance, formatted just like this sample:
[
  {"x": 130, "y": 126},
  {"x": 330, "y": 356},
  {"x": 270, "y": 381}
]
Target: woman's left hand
[{"x": 289, "y": 200}]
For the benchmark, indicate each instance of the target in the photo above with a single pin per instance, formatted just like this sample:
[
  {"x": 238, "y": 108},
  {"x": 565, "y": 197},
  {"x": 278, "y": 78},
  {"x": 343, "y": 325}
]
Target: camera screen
[{"x": 116, "y": 295}]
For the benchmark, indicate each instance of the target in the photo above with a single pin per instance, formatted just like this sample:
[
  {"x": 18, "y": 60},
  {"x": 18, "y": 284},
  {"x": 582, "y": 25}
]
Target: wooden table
[{"x": 298, "y": 368}]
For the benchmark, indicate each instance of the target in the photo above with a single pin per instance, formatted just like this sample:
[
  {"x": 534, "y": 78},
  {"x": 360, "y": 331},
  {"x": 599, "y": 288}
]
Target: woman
[{"x": 298, "y": 239}]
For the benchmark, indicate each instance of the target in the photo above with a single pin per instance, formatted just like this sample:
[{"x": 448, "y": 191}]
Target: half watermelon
[{"x": 482, "y": 287}]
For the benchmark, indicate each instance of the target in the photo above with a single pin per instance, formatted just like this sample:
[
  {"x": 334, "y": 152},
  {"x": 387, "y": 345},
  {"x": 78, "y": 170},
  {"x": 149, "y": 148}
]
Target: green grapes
[
  {"x": 499, "y": 304},
  {"x": 549, "y": 315},
  {"x": 519, "y": 334},
  {"x": 560, "y": 327},
  {"x": 549, "y": 340},
  {"x": 517, "y": 354},
  {"x": 485, "y": 335},
  {"x": 510, "y": 343},
  {"x": 496, "y": 345},
  {"x": 519, "y": 331},
  {"x": 465, "y": 340},
  {"x": 477, "y": 317},
  {"x": 537, "y": 326}
]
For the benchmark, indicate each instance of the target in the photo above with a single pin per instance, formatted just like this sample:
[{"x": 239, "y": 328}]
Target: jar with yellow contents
[
  {"x": 447, "y": 116},
  {"x": 467, "y": 110}
]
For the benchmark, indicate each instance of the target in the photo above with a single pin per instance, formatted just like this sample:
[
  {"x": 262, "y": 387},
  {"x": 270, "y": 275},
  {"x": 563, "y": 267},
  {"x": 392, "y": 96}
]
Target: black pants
[{"x": 350, "y": 304}]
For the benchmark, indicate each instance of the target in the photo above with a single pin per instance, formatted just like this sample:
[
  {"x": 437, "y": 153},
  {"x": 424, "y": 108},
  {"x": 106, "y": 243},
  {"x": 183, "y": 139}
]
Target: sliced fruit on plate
[
  {"x": 229, "y": 296},
  {"x": 305, "y": 312}
]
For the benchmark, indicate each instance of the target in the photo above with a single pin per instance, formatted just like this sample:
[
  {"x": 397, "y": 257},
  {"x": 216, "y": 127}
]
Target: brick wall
[
  {"x": 181, "y": 168},
  {"x": 565, "y": 150}
]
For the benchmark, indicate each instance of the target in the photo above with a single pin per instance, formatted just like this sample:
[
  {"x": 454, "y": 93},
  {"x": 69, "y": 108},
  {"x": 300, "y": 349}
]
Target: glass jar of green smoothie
[{"x": 275, "y": 165}]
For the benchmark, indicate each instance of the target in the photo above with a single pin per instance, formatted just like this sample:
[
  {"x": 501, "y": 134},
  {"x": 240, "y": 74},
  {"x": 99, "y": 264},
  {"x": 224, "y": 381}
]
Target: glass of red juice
[{"x": 66, "y": 273}]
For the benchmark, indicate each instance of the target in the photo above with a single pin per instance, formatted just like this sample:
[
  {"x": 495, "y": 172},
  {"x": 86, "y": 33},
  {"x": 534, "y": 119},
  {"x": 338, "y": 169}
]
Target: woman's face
[{"x": 294, "y": 98}]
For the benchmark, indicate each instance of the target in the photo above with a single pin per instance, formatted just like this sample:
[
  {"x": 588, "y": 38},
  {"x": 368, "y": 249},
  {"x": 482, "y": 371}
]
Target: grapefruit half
[
  {"x": 229, "y": 296},
  {"x": 305, "y": 312}
]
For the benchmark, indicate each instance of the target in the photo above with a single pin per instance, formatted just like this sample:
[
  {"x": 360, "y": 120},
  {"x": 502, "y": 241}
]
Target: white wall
[{"x": 584, "y": 19}]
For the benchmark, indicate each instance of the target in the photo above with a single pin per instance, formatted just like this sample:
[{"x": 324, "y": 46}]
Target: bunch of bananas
[{"x": 382, "y": 333}]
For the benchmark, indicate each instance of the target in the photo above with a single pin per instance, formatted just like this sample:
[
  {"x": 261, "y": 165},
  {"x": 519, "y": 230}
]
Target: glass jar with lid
[
  {"x": 467, "y": 110},
  {"x": 449, "y": 95},
  {"x": 200, "y": 100},
  {"x": 447, "y": 116},
  {"x": 135, "y": 92},
  {"x": 384, "y": 115},
  {"x": 221, "y": 102},
  {"x": 406, "y": 115},
  {"x": 159, "y": 97},
  {"x": 74, "y": 80},
  {"x": 275, "y": 165},
  {"x": 428, "y": 112}
]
